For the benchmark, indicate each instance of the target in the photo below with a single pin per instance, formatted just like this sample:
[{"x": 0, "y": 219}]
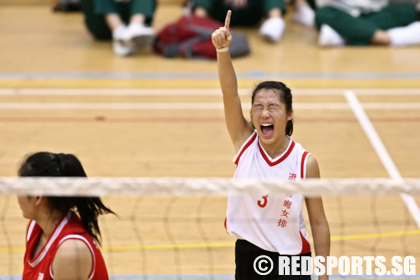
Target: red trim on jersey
[
  {"x": 226, "y": 224},
  {"x": 269, "y": 162},
  {"x": 302, "y": 165},
  {"x": 245, "y": 147},
  {"x": 70, "y": 227},
  {"x": 29, "y": 230},
  {"x": 33, "y": 262},
  {"x": 306, "y": 248}
]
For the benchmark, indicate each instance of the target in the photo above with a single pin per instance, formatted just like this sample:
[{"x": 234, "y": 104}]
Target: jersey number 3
[{"x": 263, "y": 203}]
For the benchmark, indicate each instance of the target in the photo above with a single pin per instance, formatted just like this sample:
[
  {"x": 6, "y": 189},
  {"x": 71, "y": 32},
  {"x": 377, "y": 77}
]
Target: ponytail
[
  {"x": 44, "y": 164},
  {"x": 89, "y": 209},
  {"x": 289, "y": 128}
]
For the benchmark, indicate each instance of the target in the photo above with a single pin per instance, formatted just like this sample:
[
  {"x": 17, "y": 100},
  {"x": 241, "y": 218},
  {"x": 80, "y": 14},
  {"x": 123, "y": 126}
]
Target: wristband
[{"x": 223, "y": 49}]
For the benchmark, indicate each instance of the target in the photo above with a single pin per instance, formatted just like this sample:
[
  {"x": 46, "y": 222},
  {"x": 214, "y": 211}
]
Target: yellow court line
[
  {"x": 375, "y": 235},
  {"x": 204, "y": 83},
  {"x": 231, "y": 244},
  {"x": 160, "y": 247}
]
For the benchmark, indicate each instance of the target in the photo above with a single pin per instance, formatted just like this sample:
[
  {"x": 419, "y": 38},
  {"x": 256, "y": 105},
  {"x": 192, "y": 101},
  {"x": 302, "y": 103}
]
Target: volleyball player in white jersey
[{"x": 270, "y": 224}]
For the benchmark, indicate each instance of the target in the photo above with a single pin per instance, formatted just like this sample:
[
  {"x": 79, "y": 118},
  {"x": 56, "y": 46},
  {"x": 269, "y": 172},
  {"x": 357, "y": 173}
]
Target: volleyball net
[{"x": 173, "y": 228}]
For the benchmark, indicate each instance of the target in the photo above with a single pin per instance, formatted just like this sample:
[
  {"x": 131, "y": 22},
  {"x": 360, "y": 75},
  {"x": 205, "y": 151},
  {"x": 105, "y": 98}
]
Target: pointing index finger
[{"x": 227, "y": 20}]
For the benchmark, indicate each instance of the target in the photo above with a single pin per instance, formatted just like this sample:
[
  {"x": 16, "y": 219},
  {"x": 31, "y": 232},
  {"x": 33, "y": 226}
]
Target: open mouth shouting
[{"x": 267, "y": 129}]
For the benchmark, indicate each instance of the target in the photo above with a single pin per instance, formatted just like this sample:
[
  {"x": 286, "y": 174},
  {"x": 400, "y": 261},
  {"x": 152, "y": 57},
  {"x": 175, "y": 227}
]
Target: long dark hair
[
  {"x": 44, "y": 164},
  {"x": 285, "y": 95}
]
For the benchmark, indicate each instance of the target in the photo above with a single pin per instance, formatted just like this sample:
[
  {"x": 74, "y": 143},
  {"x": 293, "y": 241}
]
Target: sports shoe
[
  {"x": 142, "y": 36},
  {"x": 120, "y": 44},
  {"x": 405, "y": 36},
  {"x": 328, "y": 37},
  {"x": 304, "y": 15},
  {"x": 272, "y": 29}
]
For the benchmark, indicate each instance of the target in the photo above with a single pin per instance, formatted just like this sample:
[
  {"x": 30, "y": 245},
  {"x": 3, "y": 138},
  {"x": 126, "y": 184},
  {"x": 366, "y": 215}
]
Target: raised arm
[
  {"x": 238, "y": 127},
  {"x": 318, "y": 220}
]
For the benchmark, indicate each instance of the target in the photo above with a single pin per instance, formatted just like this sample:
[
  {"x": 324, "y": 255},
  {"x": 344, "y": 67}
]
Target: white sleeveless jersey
[{"x": 272, "y": 222}]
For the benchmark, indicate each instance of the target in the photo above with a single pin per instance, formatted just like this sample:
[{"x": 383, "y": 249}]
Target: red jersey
[{"x": 69, "y": 227}]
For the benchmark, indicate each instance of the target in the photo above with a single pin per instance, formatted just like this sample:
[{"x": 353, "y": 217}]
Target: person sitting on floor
[
  {"x": 127, "y": 23},
  {"x": 250, "y": 13},
  {"x": 364, "y": 22}
]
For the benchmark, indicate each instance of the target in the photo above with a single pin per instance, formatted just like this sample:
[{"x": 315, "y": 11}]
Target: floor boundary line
[
  {"x": 230, "y": 244},
  {"x": 207, "y": 75},
  {"x": 186, "y": 92},
  {"x": 381, "y": 151},
  {"x": 189, "y": 105},
  {"x": 231, "y": 276}
]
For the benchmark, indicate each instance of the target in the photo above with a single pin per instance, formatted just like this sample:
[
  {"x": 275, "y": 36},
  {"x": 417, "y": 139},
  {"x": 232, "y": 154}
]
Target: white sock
[
  {"x": 405, "y": 36},
  {"x": 328, "y": 37},
  {"x": 272, "y": 29},
  {"x": 304, "y": 15}
]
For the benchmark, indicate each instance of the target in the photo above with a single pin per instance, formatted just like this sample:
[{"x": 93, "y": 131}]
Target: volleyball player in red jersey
[{"x": 63, "y": 235}]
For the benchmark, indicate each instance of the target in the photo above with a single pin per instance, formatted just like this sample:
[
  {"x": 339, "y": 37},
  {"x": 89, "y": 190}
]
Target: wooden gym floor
[{"x": 146, "y": 116}]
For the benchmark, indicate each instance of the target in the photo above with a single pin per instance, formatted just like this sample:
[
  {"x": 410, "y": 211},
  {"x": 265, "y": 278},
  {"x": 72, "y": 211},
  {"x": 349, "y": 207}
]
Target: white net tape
[{"x": 204, "y": 186}]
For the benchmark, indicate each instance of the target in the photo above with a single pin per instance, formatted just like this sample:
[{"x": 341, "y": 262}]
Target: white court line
[
  {"x": 156, "y": 106},
  {"x": 189, "y": 106},
  {"x": 109, "y": 106},
  {"x": 390, "y": 105},
  {"x": 147, "y": 92},
  {"x": 153, "y": 106},
  {"x": 187, "y": 92},
  {"x": 117, "y": 92},
  {"x": 380, "y": 149}
]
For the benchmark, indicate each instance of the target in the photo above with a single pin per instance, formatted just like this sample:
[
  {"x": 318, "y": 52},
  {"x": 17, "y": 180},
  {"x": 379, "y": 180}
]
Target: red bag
[{"x": 190, "y": 37}]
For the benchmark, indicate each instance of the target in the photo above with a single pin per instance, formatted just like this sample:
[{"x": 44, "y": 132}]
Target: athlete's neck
[
  {"x": 277, "y": 148},
  {"x": 48, "y": 221}
]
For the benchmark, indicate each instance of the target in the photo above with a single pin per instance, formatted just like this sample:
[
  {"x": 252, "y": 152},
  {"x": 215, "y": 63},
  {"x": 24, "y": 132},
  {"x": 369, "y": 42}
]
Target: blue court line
[
  {"x": 244, "y": 75},
  {"x": 417, "y": 276}
]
